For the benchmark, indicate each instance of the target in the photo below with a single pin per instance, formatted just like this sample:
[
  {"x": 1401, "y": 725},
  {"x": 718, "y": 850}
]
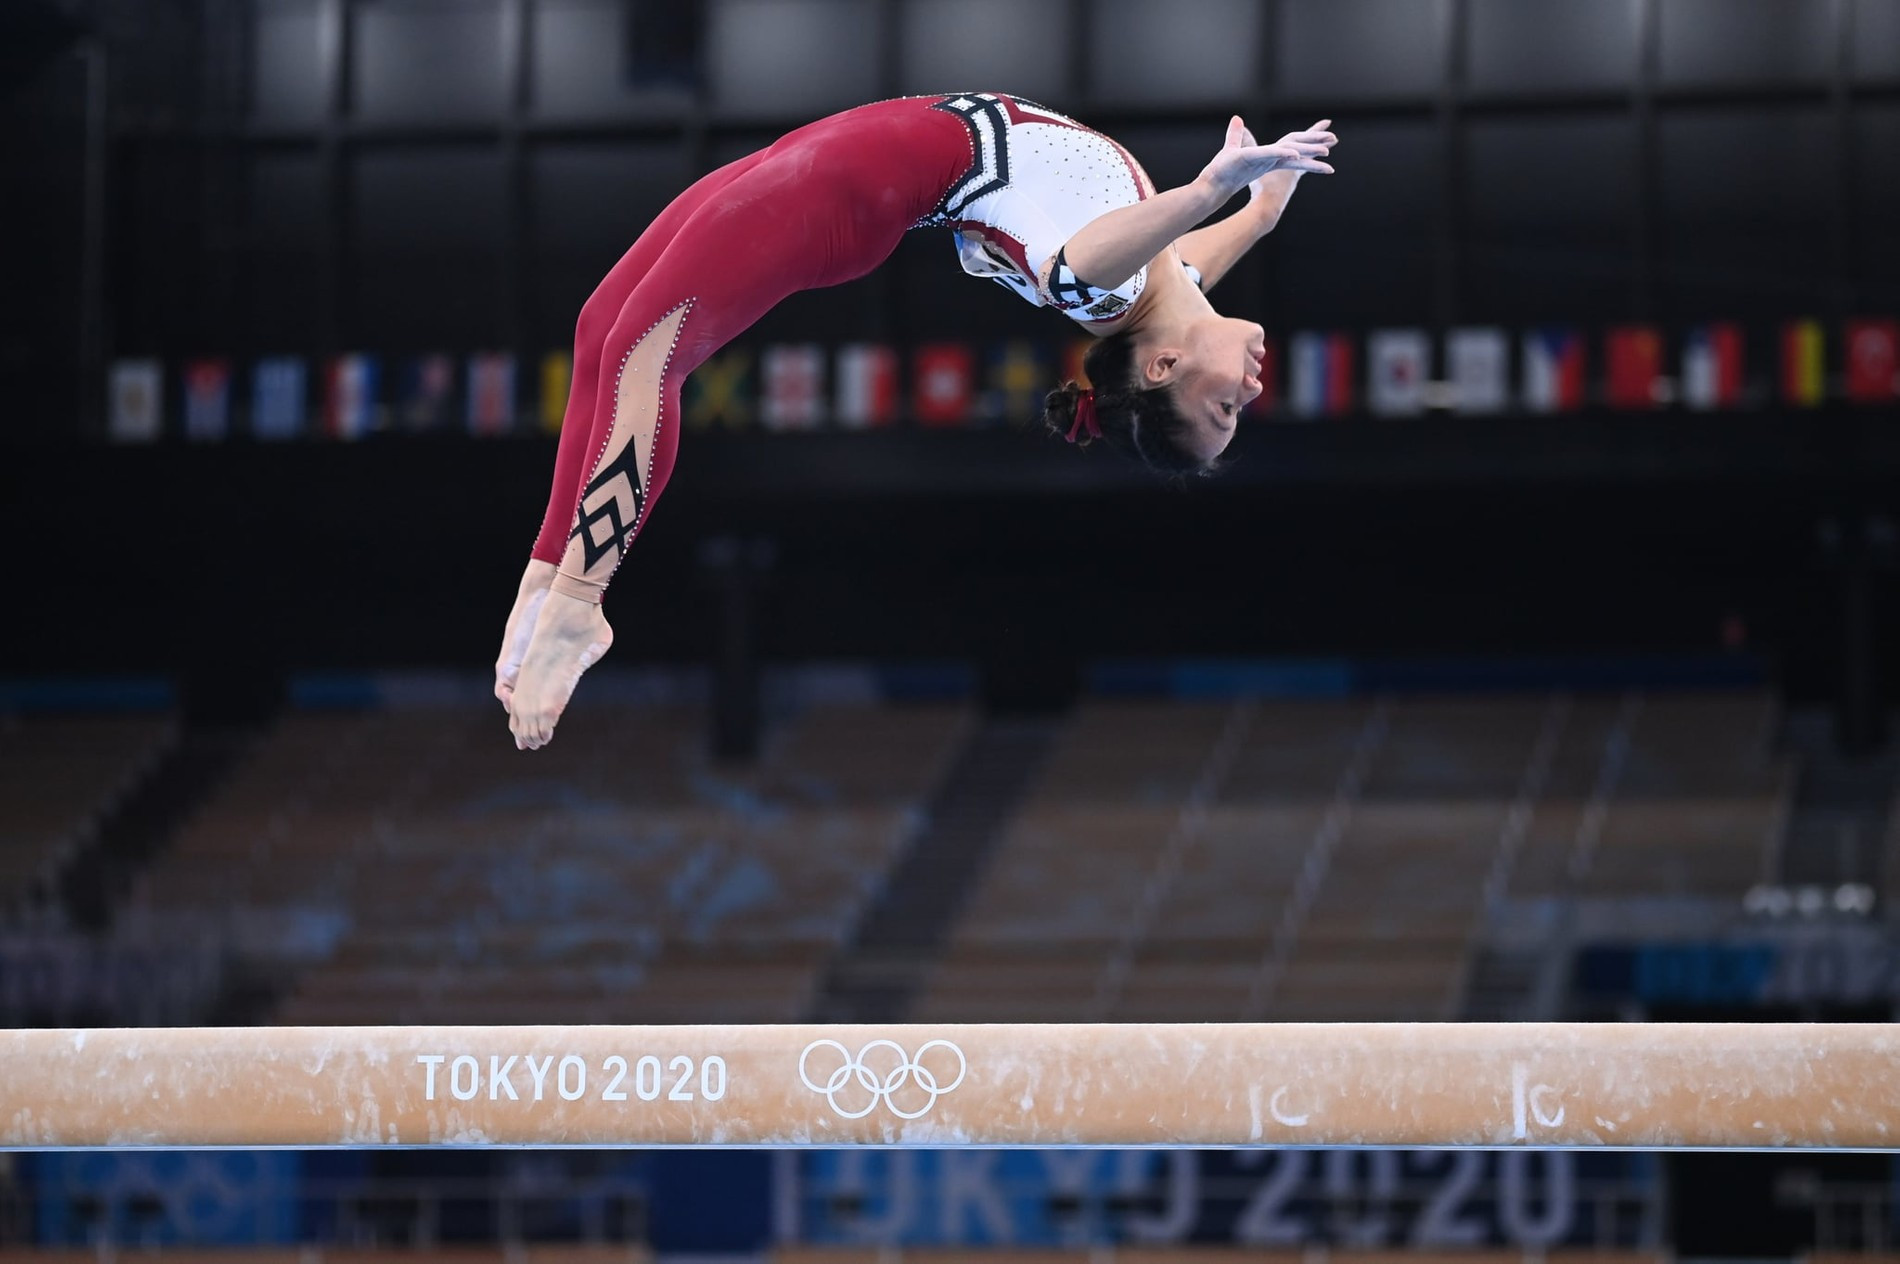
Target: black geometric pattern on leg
[{"x": 608, "y": 511}]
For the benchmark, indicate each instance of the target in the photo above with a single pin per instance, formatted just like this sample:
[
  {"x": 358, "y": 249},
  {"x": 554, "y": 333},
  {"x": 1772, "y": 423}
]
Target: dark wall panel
[
  {"x": 283, "y": 269},
  {"x": 158, "y": 63},
  {"x": 426, "y": 234},
  {"x": 1876, "y": 56},
  {"x": 286, "y": 70},
  {"x": 281, "y": 294},
  {"x": 580, "y": 64},
  {"x": 156, "y": 231},
  {"x": 1563, "y": 174},
  {"x": 1549, "y": 217},
  {"x": 1745, "y": 41},
  {"x": 39, "y": 328},
  {"x": 1876, "y": 159},
  {"x": 1743, "y": 236},
  {"x": 1717, "y": 166},
  {"x": 426, "y": 201},
  {"x": 951, "y": 46},
  {"x": 425, "y": 304},
  {"x": 427, "y": 60},
  {"x": 286, "y": 201},
  {"x": 794, "y": 57},
  {"x": 1186, "y": 51},
  {"x": 1359, "y": 49},
  {"x": 1541, "y": 45}
]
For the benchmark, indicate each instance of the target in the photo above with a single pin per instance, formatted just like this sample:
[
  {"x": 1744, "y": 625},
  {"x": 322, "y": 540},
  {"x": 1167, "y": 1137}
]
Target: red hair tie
[{"x": 1085, "y": 416}]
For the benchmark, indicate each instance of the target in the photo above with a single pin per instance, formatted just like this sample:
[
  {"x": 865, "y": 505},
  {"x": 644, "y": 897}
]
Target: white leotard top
[{"x": 1036, "y": 179}]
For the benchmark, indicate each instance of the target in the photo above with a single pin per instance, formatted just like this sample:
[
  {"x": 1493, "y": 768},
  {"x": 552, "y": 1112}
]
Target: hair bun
[{"x": 1058, "y": 408}]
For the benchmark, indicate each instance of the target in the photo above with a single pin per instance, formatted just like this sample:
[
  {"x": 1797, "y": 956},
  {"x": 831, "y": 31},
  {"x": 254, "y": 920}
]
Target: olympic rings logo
[{"x": 882, "y": 1086}]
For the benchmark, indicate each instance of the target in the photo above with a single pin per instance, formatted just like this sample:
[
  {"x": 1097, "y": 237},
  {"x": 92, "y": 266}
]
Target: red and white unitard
[{"x": 823, "y": 205}]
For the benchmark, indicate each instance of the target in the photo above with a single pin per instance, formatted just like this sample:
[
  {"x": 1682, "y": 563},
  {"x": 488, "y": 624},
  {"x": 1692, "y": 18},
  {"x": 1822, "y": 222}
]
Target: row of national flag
[
  {"x": 777, "y": 387},
  {"x": 344, "y": 397},
  {"x": 1632, "y": 367},
  {"x": 802, "y": 386}
]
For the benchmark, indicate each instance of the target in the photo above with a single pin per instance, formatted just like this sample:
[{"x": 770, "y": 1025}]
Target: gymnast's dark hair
[{"x": 1141, "y": 423}]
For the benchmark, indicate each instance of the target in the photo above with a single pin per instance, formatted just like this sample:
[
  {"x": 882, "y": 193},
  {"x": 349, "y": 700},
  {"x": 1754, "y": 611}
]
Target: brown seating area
[
  {"x": 1686, "y": 798},
  {"x": 1214, "y": 930},
  {"x": 1200, "y": 1255},
  {"x": 1890, "y": 855},
  {"x": 58, "y": 776},
  {"x": 1072, "y": 865},
  {"x": 617, "y": 876},
  {"x": 1334, "y": 860},
  {"x": 1145, "y": 877},
  {"x": 1389, "y": 929},
  {"x": 527, "y": 1253},
  {"x": 1280, "y": 860},
  {"x": 513, "y": 1253}
]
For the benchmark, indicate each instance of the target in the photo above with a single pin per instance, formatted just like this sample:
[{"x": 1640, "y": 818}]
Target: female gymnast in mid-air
[{"x": 1057, "y": 212}]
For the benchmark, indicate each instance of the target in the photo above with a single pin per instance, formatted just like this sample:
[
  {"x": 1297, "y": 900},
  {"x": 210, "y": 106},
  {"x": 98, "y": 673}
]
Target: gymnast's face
[{"x": 1213, "y": 364}]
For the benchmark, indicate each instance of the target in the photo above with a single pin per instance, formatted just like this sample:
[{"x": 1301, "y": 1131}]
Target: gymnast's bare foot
[
  {"x": 569, "y": 637},
  {"x": 521, "y": 620}
]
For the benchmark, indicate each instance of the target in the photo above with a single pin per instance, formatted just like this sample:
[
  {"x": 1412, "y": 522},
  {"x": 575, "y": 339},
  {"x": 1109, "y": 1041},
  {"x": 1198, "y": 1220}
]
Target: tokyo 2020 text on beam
[{"x": 1344, "y": 1084}]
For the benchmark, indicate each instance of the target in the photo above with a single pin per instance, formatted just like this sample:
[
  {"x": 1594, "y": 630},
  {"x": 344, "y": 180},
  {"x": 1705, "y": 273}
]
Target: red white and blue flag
[
  {"x": 349, "y": 397},
  {"x": 1553, "y": 370},
  {"x": 1320, "y": 373},
  {"x": 1712, "y": 366}
]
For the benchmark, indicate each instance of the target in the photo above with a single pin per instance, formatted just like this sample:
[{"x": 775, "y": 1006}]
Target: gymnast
[{"x": 1053, "y": 210}]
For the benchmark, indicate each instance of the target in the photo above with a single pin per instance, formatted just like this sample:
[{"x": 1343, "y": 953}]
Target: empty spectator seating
[
  {"x": 1202, "y": 1255},
  {"x": 1687, "y": 799},
  {"x": 512, "y": 1253},
  {"x": 1333, "y": 860},
  {"x": 58, "y": 777},
  {"x": 1073, "y": 863},
  {"x": 617, "y": 876}
]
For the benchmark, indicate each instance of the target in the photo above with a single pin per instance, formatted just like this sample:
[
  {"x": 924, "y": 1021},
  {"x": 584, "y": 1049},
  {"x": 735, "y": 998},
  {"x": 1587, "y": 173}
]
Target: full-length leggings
[{"x": 823, "y": 205}]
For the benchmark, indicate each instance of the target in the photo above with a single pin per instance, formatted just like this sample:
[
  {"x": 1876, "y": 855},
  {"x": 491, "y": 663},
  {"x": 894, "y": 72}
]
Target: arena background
[{"x": 1568, "y": 671}]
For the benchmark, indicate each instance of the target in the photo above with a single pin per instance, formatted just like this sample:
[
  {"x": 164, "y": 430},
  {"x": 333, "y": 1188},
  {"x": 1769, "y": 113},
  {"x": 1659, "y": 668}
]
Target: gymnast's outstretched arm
[
  {"x": 1213, "y": 250},
  {"x": 1113, "y": 247}
]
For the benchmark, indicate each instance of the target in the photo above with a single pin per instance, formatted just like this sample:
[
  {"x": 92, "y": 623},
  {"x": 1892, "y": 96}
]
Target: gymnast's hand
[
  {"x": 1267, "y": 197},
  {"x": 521, "y": 620},
  {"x": 1241, "y": 162}
]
